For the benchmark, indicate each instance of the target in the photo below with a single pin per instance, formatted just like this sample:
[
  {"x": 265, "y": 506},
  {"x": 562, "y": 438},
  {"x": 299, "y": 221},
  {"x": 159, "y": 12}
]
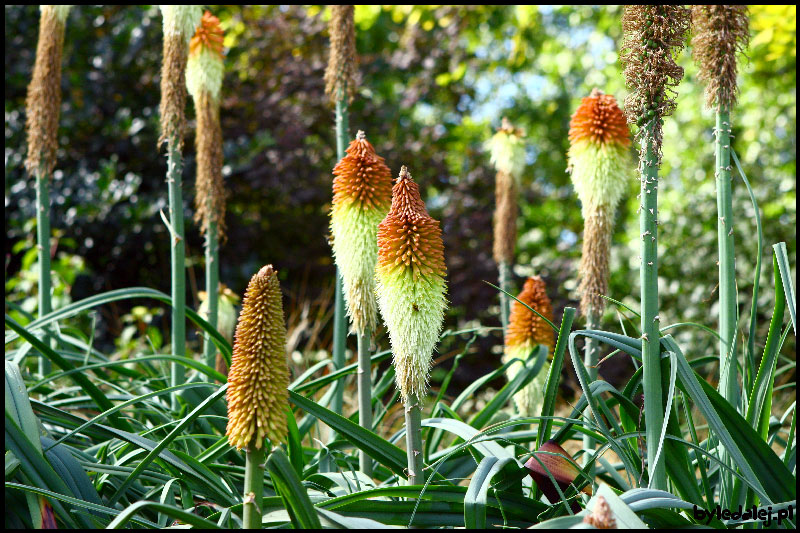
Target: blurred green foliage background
[{"x": 435, "y": 82}]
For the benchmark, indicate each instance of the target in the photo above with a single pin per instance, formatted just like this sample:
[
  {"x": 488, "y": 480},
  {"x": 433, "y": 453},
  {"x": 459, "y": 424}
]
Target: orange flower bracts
[{"x": 411, "y": 284}]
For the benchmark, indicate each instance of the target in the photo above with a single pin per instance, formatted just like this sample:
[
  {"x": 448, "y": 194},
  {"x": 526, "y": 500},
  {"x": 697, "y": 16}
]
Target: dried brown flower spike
[
  {"x": 259, "y": 377},
  {"x": 341, "y": 71},
  {"x": 43, "y": 103},
  {"x": 720, "y": 32},
  {"x": 654, "y": 34}
]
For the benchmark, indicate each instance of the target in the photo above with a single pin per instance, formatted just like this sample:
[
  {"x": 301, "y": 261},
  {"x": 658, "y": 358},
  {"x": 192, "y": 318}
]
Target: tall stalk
[
  {"x": 365, "y": 394},
  {"x": 504, "y": 270},
  {"x": 720, "y": 32},
  {"x": 212, "y": 284},
  {"x": 43, "y": 106},
  {"x": 179, "y": 23},
  {"x": 43, "y": 247},
  {"x": 728, "y": 311},
  {"x": 258, "y": 385},
  {"x": 600, "y": 165},
  {"x": 654, "y": 35},
  {"x": 339, "y": 312},
  {"x": 177, "y": 262},
  {"x": 651, "y": 344},
  {"x": 411, "y": 290}
]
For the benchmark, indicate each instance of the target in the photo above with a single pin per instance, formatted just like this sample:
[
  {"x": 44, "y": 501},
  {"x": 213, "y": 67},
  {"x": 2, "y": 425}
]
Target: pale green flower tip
[
  {"x": 181, "y": 20},
  {"x": 600, "y": 173},
  {"x": 507, "y": 153},
  {"x": 60, "y": 12},
  {"x": 414, "y": 313},
  {"x": 204, "y": 72},
  {"x": 355, "y": 250}
]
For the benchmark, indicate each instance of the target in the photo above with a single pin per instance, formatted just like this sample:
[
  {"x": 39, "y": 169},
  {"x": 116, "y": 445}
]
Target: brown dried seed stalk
[
  {"x": 259, "y": 377},
  {"x": 505, "y": 218},
  {"x": 341, "y": 71},
  {"x": 594, "y": 269},
  {"x": 43, "y": 102},
  {"x": 719, "y": 33},
  {"x": 210, "y": 198},
  {"x": 172, "y": 108},
  {"x": 654, "y": 35}
]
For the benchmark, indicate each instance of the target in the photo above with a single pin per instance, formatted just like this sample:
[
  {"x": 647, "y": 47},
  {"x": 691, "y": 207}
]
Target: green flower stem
[
  {"x": 339, "y": 313},
  {"x": 651, "y": 352},
  {"x": 590, "y": 358},
  {"x": 413, "y": 408},
  {"x": 727, "y": 274},
  {"x": 177, "y": 258},
  {"x": 365, "y": 395},
  {"x": 505, "y": 284},
  {"x": 212, "y": 292},
  {"x": 253, "y": 488},
  {"x": 43, "y": 247}
]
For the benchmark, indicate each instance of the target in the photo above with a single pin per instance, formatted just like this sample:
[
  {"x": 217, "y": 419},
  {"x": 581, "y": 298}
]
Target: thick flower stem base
[
  {"x": 365, "y": 395},
  {"x": 339, "y": 312},
  {"x": 177, "y": 257},
  {"x": 212, "y": 291},
  {"x": 253, "y": 488},
  {"x": 505, "y": 284},
  {"x": 651, "y": 346},
  {"x": 43, "y": 247},
  {"x": 590, "y": 359},
  {"x": 413, "y": 409}
]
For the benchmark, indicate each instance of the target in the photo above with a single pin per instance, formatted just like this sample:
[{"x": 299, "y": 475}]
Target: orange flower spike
[
  {"x": 362, "y": 191},
  {"x": 600, "y": 120},
  {"x": 525, "y": 331},
  {"x": 209, "y": 35}
]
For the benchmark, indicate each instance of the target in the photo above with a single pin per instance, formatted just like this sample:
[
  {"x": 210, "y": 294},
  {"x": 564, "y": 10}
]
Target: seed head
[
  {"x": 362, "y": 194},
  {"x": 43, "y": 102},
  {"x": 411, "y": 284},
  {"x": 525, "y": 331},
  {"x": 341, "y": 73},
  {"x": 180, "y": 22},
  {"x": 259, "y": 377},
  {"x": 720, "y": 32},
  {"x": 654, "y": 35}
]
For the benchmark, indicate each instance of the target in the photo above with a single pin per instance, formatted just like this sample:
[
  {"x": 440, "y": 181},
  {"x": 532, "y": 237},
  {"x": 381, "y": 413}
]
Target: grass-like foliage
[{"x": 98, "y": 438}]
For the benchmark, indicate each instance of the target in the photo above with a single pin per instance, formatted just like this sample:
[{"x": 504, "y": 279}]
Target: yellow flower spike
[{"x": 259, "y": 376}]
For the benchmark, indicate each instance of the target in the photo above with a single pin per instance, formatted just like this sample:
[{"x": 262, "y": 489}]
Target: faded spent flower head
[
  {"x": 720, "y": 32},
  {"x": 525, "y": 331},
  {"x": 362, "y": 194},
  {"x": 411, "y": 284},
  {"x": 259, "y": 377}
]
